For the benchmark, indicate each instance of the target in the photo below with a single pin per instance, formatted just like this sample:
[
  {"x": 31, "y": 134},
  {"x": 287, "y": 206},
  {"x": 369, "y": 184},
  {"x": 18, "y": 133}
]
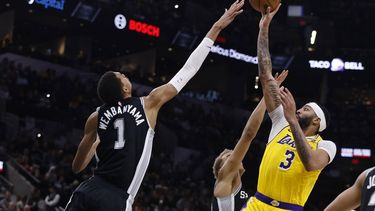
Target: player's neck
[
  {"x": 309, "y": 131},
  {"x": 126, "y": 96}
]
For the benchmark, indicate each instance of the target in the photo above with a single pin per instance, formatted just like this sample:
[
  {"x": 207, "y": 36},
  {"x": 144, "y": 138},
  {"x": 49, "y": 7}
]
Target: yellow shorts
[{"x": 253, "y": 204}]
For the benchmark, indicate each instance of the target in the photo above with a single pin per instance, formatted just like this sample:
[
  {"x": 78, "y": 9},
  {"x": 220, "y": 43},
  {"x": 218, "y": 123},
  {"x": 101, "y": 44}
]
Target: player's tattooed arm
[
  {"x": 264, "y": 57},
  {"x": 269, "y": 85},
  {"x": 303, "y": 148},
  {"x": 250, "y": 130},
  {"x": 312, "y": 159}
]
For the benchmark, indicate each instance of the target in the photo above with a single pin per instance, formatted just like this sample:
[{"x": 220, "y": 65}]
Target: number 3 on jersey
[
  {"x": 119, "y": 124},
  {"x": 289, "y": 159}
]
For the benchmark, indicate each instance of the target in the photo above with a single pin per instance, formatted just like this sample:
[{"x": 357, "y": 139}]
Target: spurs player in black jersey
[
  {"x": 229, "y": 195},
  {"x": 362, "y": 194},
  {"x": 121, "y": 131}
]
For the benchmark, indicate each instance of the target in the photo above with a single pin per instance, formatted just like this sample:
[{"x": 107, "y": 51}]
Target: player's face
[
  {"x": 126, "y": 84},
  {"x": 305, "y": 116}
]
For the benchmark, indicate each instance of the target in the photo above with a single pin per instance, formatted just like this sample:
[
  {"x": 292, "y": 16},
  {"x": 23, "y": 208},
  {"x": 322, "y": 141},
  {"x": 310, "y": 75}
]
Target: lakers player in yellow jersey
[
  {"x": 295, "y": 152},
  {"x": 229, "y": 195}
]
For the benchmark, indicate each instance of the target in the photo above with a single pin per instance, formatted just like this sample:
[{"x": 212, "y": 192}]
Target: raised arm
[
  {"x": 249, "y": 132},
  {"x": 351, "y": 197},
  {"x": 311, "y": 159},
  {"x": 269, "y": 85},
  {"x": 86, "y": 148},
  {"x": 160, "y": 95}
]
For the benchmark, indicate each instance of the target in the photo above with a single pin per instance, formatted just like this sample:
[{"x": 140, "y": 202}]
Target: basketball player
[
  {"x": 295, "y": 153},
  {"x": 228, "y": 169},
  {"x": 362, "y": 193},
  {"x": 121, "y": 131}
]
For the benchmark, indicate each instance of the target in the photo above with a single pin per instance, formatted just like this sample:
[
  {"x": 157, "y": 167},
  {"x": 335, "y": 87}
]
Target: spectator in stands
[
  {"x": 52, "y": 199},
  {"x": 5, "y": 202}
]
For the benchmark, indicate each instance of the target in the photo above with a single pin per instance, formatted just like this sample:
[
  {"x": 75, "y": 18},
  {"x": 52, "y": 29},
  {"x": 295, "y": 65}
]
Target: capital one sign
[
  {"x": 336, "y": 65},
  {"x": 56, "y": 4}
]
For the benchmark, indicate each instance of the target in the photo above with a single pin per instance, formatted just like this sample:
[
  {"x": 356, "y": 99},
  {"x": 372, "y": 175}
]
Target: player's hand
[
  {"x": 229, "y": 14},
  {"x": 267, "y": 17},
  {"x": 289, "y": 105},
  {"x": 280, "y": 78}
]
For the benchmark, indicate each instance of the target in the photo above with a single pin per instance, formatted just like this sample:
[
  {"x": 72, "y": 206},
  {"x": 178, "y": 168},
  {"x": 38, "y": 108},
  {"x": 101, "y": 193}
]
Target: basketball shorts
[{"x": 96, "y": 194}]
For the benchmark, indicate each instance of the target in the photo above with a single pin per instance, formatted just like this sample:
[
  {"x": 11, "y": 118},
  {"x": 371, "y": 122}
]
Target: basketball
[{"x": 261, "y": 5}]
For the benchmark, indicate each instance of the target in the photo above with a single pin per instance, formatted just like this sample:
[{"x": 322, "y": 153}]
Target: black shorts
[{"x": 96, "y": 194}]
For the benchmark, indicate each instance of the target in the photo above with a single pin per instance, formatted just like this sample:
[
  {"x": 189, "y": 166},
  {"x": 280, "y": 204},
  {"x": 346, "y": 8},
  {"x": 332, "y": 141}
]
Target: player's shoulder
[
  {"x": 328, "y": 144},
  {"x": 93, "y": 116},
  {"x": 329, "y": 147},
  {"x": 91, "y": 121},
  {"x": 362, "y": 177},
  {"x": 325, "y": 141},
  {"x": 369, "y": 170}
]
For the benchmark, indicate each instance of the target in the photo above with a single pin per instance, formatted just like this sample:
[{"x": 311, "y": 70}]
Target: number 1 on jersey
[{"x": 119, "y": 124}]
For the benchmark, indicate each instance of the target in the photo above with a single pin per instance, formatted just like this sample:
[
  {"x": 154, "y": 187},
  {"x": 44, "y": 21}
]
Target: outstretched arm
[
  {"x": 160, "y": 95},
  {"x": 350, "y": 198},
  {"x": 311, "y": 159},
  {"x": 249, "y": 132},
  {"x": 269, "y": 85},
  {"x": 86, "y": 148}
]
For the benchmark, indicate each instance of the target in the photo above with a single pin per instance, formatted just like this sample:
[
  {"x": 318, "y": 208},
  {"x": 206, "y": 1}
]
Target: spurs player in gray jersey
[
  {"x": 229, "y": 195},
  {"x": 361, "y": 193},
  {"x": 120, "y": 132}
]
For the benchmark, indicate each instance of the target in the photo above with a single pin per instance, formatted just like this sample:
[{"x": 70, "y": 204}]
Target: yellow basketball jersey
[{"x": 282, "y": 175}]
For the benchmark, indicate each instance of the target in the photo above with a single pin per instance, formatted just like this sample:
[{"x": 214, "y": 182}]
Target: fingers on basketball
[{"x": 262, "y": 5}]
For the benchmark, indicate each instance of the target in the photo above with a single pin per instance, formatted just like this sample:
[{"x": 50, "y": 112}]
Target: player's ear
[{"x": 316, "y": 121}]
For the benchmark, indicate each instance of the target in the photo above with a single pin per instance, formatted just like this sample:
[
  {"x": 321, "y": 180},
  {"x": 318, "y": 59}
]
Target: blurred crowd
[{"x": 202, "y": 127}]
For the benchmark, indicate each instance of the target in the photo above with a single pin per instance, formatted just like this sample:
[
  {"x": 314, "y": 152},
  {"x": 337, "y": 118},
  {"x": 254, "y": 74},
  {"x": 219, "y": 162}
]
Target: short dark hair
[
  {"x": 109, "y": 88},
  {"x": 326, "y": 114}
]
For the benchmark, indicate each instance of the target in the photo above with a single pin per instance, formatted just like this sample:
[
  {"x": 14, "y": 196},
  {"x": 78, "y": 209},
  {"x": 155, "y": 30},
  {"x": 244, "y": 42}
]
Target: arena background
[{"x": 53, "y": 52}]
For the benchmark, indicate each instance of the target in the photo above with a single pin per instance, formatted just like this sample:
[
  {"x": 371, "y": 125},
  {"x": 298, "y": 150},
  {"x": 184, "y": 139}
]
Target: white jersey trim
[
  {"x": 96, "y": 157},
  {"x": 227, "y": 203},
  {"x": 141, "y": 168},
  {"x": 129, "y": 203}
]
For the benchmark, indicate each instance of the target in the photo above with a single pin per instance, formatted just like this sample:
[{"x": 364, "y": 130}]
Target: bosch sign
[
  {"x": 336, "y": 65},
  {"x": 144, "y": 28}
]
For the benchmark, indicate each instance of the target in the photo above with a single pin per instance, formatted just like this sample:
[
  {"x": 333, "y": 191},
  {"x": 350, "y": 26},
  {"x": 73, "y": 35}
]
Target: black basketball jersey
[
  {"x": 124, "y": 151},
  {"x": 233, "y": 202},
  {"x": 368, "y": 192}
]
